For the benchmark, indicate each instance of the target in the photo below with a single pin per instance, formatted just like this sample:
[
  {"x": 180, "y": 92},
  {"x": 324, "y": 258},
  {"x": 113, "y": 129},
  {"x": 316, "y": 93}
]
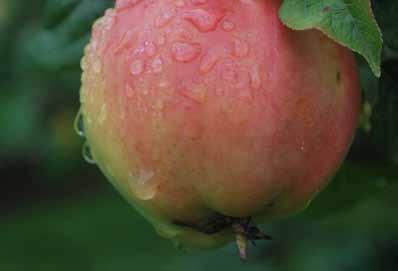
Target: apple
[{"x": 206, "y": 113}]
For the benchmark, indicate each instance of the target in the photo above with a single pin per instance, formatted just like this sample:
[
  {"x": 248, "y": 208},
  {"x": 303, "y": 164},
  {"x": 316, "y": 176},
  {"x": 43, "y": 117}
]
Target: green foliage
[
  {"x": 66, "y": 29},
  {"x": 349, "y": 22},
  {"x": 351, "y": 226}
]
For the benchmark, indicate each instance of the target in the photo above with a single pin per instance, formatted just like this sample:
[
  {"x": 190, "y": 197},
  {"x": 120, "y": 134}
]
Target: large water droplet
[
  {"x": 208, "y": 62},
  {"x": 79, "y": 124},
  {"x": 87, "y": 154},
  {"x": 165, "y": 17},
  {"x": 137, "y": 67},
  {"x": 143, "y": 184},
  {"x": 203, "y": 20},
  {"x": 185, "y": 52}
]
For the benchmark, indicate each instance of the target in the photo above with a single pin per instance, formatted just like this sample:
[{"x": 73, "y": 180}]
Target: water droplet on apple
[
  {"x": 79, "y": 124},
  {"x": 255, "y": 78},
  {"x": 157, "y": 65},
  {"x": 185, "y": 52},
  {"x": 302, "y": 147},
  {"x": 161, "y": 39},
  {"x": 165, "y": 17},
  {"x": 208, "y": 61},
  {"x": 87, "y": 154},
  {"x": 241, "y": 48},
  {"x": 203, "y": 20},
  {"x": 97, "y": 64},
  {"x": 83, "y": 63},
  {"x": 137, "y": 67},
  {"x": 196, "y": 92},
  {"x": 150, "y": 48},
  {"x": 143, "y": 184},
  {"x": 159, "y": 105},
  {"x": 229, "y": 70},
  {"x": 228, "y": 26}
]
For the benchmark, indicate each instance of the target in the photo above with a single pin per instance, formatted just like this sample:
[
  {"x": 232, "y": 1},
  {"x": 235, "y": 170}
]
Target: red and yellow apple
[{"x": 195, "y": 109}]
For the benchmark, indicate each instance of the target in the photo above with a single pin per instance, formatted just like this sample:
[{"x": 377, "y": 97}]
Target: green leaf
[{"x": 349, "y": 22}]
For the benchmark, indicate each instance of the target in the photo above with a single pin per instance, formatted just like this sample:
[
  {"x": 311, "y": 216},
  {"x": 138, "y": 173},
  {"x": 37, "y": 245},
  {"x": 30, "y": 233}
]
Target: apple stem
[
  {"x": 244, "y": 231},
  {"x": 241, "y": 240}
]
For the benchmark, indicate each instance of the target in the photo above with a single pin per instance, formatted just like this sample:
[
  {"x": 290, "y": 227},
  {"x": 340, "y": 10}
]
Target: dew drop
[
  {"x": 208, "y": 62},
  {"x": 137, "y": 67},
  {"x": 79, "y": 124},
  {"x": 150, "y": 48},
  {"x": 255, "y": 78},
  {"x": 157, "y": 65},
  {"x": 87, "y": 154},
  {"x": 228, "y": 26},
  {"x": 143, "y": 184},
  {"x": 302, "y": 147},
  {"x": 241, "y": 48},
  {"x": 109, "y": 19},
  {"x": 97, "y": 64},
  {"x": 83, "y": 63},
  {"x": 185, "y": 52},
  {"x": 165, "y": 17},
  {"x": 201, "y": 19}
]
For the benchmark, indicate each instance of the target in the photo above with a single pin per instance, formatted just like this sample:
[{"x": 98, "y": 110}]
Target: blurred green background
[{"x": 59, "y": 213}]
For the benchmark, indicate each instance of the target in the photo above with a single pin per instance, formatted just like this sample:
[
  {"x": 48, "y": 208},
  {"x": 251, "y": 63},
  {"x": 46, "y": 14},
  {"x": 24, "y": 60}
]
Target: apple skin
[{"x": 193, "y": 108}]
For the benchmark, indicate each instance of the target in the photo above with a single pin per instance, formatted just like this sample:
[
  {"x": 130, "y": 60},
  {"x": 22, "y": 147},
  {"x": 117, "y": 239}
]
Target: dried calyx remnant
[{"x": 243, "y": 229}]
